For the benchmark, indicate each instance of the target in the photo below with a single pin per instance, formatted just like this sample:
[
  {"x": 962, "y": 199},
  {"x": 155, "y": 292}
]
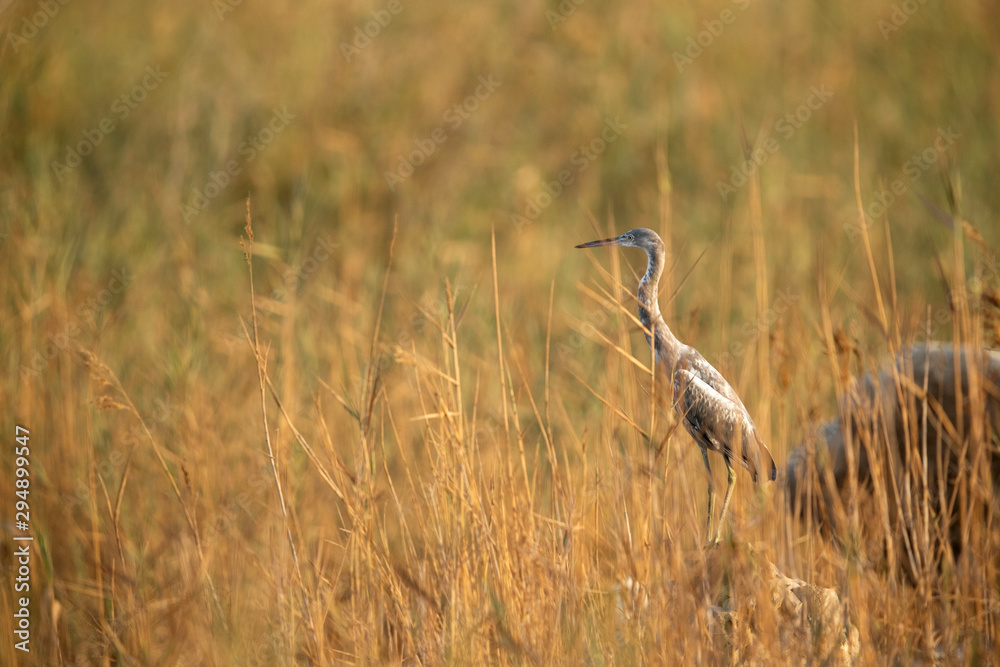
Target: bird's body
[{"x": 706, "y": 403}]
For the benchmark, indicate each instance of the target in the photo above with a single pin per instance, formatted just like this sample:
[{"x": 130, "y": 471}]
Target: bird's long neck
[{"x": 667, "y": 346}]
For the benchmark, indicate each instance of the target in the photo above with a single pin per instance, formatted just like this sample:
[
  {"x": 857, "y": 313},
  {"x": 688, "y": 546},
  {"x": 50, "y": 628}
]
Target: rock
[
  {"x": 807, "y": 623},
  {"x": 810, "y": 614}
]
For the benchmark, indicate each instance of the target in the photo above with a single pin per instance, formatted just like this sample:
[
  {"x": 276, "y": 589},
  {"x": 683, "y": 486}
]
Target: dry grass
[{"x": 431, "y": 435}]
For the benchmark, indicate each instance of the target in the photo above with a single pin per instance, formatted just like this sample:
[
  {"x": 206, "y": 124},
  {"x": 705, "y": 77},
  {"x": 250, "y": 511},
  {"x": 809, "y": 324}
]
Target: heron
[{"x": 706, "y": 403}]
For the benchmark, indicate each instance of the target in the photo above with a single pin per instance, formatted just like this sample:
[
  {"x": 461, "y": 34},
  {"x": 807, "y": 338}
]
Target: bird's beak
[{"x": 598, "y": 244}]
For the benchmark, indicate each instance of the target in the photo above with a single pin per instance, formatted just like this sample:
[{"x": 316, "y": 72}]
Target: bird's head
[{"x": 643, "y": 238}]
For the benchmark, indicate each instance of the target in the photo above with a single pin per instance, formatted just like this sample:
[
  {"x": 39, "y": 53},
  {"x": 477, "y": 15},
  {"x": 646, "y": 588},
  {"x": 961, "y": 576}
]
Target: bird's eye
[{"x": 631, "y": 238}]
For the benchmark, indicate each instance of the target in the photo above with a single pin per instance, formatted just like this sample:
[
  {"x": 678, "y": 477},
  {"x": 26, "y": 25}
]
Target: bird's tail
[{"x": 768, "y": 467}]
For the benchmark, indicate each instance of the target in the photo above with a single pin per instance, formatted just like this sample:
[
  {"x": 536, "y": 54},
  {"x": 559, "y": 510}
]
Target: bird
[{"x": 707, "y": 405}]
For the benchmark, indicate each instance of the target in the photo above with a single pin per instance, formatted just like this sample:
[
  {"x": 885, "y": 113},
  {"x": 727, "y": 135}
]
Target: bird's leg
[
  {"x": 729, "y": 496},
  {"x": 711, "y": 496}
]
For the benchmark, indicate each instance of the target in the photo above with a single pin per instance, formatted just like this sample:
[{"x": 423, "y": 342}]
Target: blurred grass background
[{"x": 119, "y": 574}]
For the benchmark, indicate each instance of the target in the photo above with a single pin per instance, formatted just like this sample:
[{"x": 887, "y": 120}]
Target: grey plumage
[
  {"x": 706, "y": 403},
  {"x": 721, "y": 424}
]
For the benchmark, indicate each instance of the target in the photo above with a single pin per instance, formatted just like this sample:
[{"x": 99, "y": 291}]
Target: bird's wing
[
  {"x": 717, "y": 422},
  {"x": 710, "y": 375}
]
